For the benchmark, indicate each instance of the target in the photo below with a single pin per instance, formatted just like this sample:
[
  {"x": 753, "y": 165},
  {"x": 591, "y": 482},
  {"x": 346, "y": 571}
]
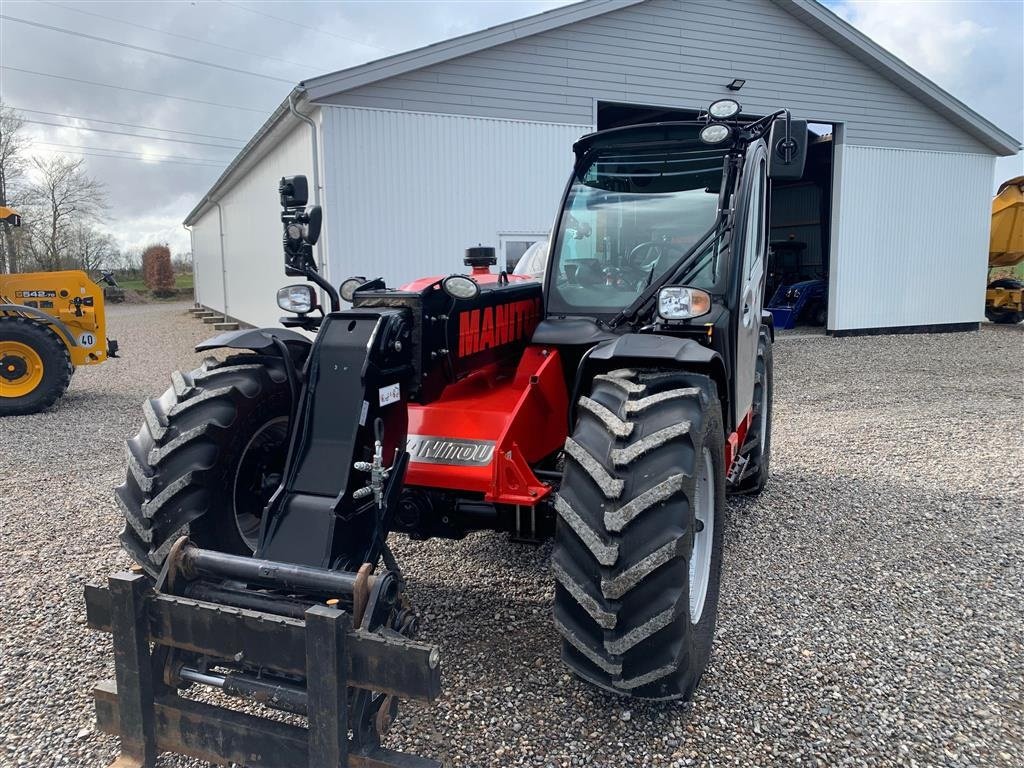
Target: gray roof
[
  {"x": 810, "y": 12},
  {"x": 399, "y": 64}
]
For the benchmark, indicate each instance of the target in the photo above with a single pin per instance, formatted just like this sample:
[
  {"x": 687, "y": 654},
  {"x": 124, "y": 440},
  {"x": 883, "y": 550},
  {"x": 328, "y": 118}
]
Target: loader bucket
[
  {"x": 344, "y": 672},
  {"x": 1006, "y": 244}
]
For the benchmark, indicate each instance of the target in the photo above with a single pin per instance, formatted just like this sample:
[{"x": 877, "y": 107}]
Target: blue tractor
[{"x": 800, "y": 303}]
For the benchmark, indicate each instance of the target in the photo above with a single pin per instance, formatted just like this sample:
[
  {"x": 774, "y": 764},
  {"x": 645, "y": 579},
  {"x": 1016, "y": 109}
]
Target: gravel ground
[{"x": 872, "y": 608}]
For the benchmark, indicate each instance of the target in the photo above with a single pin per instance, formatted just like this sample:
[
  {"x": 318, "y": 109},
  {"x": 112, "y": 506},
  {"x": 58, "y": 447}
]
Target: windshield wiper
[
  {"x": 630, "y": 312},
  {"x": 685, "y": 261}
]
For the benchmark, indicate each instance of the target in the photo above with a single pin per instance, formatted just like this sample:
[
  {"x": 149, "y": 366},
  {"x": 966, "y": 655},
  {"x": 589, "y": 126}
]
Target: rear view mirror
[
  {"x": 294, "y": 191},
  {"x": 779, "y": 165}
]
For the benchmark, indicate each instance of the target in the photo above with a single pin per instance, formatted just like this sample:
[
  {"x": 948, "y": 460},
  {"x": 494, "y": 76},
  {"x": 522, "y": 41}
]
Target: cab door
[{"x": 753, "y": 215}]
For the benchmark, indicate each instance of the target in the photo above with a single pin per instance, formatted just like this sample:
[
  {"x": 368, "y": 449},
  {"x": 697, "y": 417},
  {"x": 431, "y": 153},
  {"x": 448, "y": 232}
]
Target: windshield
[{"x": 629, "y": 216}]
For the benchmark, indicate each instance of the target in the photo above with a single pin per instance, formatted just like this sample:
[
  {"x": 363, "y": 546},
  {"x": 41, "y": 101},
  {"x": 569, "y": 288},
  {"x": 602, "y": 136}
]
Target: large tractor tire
[
  {"x": 35, "y": 367},
  {"x": 638, "y": 541},
  {"x": 757, "y": 448},
  {"x": 1003, "y": 315},
  {"x": 210, "y": 453}
]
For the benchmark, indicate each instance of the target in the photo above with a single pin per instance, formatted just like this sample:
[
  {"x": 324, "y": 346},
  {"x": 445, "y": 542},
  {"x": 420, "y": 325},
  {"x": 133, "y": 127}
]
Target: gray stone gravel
[{"x": 872, "y": 602}]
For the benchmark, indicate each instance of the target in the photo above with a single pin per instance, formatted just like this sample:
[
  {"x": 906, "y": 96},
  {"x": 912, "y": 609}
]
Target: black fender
[
  {"x": 65, "y": 335},
  {"x": 260, "y": 340},
  {"x": 652, "y": 350}
]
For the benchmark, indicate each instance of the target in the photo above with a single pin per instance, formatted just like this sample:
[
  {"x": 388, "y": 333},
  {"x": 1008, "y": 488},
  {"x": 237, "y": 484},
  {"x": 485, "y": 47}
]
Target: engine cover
[{"x": 453, "y": 338}]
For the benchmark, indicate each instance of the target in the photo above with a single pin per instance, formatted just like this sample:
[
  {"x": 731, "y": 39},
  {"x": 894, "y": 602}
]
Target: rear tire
[
  {"x": 35, "y": 367},
  {"x": 758, "y": 446},
  {"x": 214, "y": 441},
  {"x": 643, "y": 464},
  {"x": 998, "y": 314}
]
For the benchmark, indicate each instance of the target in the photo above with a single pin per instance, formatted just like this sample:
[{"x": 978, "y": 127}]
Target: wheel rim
[
  {"x": 21, "y": 369},
  {"x": 258, "y": 476},
  {"x": 700, "y": 555}
]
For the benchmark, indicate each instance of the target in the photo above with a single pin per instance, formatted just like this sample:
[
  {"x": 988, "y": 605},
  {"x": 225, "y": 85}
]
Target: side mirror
[
  {"x": 294, "y": 191},
  {"x": 779, "y": 165},
  {"x": 316, "y": 220}
]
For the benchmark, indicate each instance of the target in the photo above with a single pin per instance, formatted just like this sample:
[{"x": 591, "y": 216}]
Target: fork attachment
[{"x": 339, "y": 664}]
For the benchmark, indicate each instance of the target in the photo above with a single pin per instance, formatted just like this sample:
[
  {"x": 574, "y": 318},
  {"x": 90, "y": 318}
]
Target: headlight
[
  {"x": 714, "y": 133},
  {"x": 294, "y": 231},
  {"x": 299, "y": 299},
  {"x": 460, "y": 287},
  {"x": 677, "y": 303},
  {"x": 347, "y": 291},
  {"x": 723, "y": 109}
]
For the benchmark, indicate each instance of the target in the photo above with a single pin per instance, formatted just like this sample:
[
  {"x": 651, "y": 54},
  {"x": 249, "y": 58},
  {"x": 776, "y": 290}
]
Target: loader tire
[
  {"x": 35, "y": 367},
  {"x": 207, "y": 457},
  {"x": 1002, "y": 315},
  {"x": 642, "y": 497},
  {"x": 757, "y": 447}
]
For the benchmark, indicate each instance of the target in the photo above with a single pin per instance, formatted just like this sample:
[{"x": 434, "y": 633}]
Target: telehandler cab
[{"x": 612, "y": 407}]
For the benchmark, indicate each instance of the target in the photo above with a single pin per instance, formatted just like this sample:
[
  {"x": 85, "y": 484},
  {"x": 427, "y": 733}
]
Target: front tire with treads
[
  {"x": 214, "y": 441},
  {"x": 638, "y": 542}
]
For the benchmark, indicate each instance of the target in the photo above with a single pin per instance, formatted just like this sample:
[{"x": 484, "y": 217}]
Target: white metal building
[{"x": 417, "y": 156}]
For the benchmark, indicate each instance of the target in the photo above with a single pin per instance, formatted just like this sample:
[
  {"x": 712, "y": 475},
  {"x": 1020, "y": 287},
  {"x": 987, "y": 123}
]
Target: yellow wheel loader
[
  {"x": 50, "y": 323},
  {"x": 1004, "y": 297}
]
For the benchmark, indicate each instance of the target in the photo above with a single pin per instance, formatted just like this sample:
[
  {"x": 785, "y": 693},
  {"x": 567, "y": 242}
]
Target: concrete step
[
  {"x": 205, "y": 315},
  {"x": 197, "y": 310},
  {"x": 225, "y": 326},
  {"x": 212, "y": 319}
]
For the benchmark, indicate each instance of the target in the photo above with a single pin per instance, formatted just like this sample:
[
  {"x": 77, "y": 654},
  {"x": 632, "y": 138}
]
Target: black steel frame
[{"x": 150, "y": 717}]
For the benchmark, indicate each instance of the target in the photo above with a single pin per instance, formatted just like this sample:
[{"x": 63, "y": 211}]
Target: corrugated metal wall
[
  {"x": 673, "y": 53},
  {"x": 252, "y": 236},
  {"x": 910, "y": 238},
  {"x": 409, "y": 192},
  {"x": 209, "y": 278}
]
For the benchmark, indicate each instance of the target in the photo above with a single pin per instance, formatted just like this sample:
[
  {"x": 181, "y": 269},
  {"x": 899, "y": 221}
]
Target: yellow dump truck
[
  {"x": 50, "y": 323},
  {"x": 1004, "y": 297}
]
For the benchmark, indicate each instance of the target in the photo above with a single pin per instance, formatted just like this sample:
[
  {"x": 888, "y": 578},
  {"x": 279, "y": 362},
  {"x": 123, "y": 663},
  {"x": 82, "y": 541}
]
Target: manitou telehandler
[{"x": 613, "y": 407}]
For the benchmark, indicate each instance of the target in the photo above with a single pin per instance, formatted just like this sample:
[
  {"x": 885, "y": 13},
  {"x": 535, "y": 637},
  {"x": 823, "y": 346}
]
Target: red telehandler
[{"x": 612, "y": 406}]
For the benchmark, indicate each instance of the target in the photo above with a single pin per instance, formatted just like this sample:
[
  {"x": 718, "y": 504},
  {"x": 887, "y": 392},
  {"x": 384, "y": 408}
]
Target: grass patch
[{"x": 183, "y": 283}]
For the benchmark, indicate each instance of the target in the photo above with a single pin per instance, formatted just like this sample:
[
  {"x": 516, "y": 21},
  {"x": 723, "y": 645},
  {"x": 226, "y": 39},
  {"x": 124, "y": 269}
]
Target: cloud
[
  {"x": 971, "y": 48},
  {"x": 931, "y": 37}
]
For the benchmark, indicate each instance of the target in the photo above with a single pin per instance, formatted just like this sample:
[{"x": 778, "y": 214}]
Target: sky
[{"x": 969, "y": 47}]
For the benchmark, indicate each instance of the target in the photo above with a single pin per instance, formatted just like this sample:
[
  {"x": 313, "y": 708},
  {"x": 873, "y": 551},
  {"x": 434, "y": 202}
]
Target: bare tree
[
  {"x": 131, "y": 259},
  {"x": 92, "y": 250},
  {"x": 13, "y": 144},
  {"x": 61, "y": 195},
  {"x": 182, "y": 262}
]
